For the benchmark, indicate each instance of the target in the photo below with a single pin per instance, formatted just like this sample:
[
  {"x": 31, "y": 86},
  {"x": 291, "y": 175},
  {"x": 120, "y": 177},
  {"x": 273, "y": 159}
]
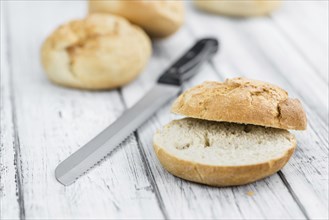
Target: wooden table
[{"x": 42, "y": 124}]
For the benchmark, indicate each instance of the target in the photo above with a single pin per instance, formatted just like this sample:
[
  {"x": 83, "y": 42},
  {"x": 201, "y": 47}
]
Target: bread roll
[
  {"x": 98, "y": 52},
  {"x": 240, "y": 8},
  {"x": 158, "y": 18},
  {"x": 222, "y": 154},
  {"x": 241, "y": 100},
  {"x": 233, "y": 134}
]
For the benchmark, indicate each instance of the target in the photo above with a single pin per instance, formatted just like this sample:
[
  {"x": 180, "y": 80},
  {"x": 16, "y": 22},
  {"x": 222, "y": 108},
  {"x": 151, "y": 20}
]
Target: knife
[{"x": 168, "y": 86}]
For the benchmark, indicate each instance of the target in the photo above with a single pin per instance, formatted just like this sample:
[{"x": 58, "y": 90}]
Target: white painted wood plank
[
  {"x": 72, "y": 120},
  {"x": 9, "y": 206},
  {"x": 53, "y": 122},
  {"x": 290, "y": 64},
  {"x": 183, "y": 199},
  {"x": 264, "y": 61},
  {"x": 323, "y": 5},
  {"x": 305, "y": 25},
  {"x": 307, "y": 172},
  {"x": 255, "y": 46}
]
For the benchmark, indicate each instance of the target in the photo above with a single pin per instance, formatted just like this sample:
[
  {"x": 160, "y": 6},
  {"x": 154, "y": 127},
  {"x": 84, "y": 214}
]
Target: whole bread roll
[
  {"x": 158, "y": 18},
  {"x": 244, "y": 101},
  {"x": 98, "y": 52},
  {"x": 239, "y": 8}
]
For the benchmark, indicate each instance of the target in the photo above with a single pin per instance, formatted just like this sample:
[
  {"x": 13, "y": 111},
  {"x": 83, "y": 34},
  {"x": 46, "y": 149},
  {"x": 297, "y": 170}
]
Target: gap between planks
[
  {"x": 301, "y": 53},
  {"x": 271, "y": 64},
  {"x": 138, "y": 140},
  {"x": 70, "y": 201},
  {"x": 212, "y": 194},
  {"x": 146, "y": 164},
  {"x": 281, "y": 175},
  {"x": 9, "y": 205},
  {"x": 16, "y": 142},
  {"x": 293, "y": 193},
  {"x": 282, "y": 76}
]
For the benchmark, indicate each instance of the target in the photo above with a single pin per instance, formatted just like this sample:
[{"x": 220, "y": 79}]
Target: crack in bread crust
[
  {"x": 241, "y": 100},
  {"x": 98, "y": 52},
  {"x": 157, "y": 18},
  {"x": 233, "y": 158}
]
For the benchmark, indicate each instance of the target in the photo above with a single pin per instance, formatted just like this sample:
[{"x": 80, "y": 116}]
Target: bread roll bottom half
[{"x": 222, "y": 153}]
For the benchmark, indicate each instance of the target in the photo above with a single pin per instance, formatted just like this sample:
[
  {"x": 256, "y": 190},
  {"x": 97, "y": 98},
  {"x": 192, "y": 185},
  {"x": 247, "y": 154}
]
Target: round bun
[
  {"x": 241, "y": 100},
  {"x": 98, "y": 52},
  {"x": 157, "y": 18},
  {"x": 222, "y": 154},
  {"x": 239, "y": 8}
]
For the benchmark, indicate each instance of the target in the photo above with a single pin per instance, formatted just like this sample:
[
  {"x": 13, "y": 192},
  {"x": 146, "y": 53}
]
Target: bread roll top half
[{"x": 244, "y": 101}]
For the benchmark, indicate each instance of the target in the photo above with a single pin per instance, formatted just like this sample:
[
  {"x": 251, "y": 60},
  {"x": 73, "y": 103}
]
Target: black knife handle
[{"x": 188, "y": 64}]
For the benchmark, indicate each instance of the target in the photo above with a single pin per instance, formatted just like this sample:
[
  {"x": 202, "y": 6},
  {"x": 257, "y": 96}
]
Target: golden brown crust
[
  {"x": 239, "y": 8},
  {"x": 221, "y": 175},
  {"x": 98, "y": 52},
  {"x": 241, "y": 100},
  {"x": 157, "y": 18}
]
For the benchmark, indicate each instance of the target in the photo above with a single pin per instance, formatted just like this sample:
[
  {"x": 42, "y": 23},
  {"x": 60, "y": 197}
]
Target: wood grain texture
[
  {"x": 41, "y": 124},
  {"x": 305, "y": 175},
  {"x": 207, "y": 201},
  {"x": 53, "y": 122},
  {"x": 304, "y": 29},
  {"x": 256, "y": 47},
  {"x": 9, "y": 196}
]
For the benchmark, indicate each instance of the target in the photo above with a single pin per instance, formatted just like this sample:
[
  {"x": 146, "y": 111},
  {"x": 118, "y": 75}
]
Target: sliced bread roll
[
  {"x": 234, "y": 133},
  {"x": 220, "y": 153}
]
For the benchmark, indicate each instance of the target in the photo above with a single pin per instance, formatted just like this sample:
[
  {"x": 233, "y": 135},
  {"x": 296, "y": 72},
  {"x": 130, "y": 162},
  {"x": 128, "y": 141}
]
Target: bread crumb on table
[{"x": 250, "y": 193}]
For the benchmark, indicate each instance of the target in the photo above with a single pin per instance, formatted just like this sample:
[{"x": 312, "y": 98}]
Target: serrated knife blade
[
  {"x": 96, "y": 149},
  {"x": 168, "y": 86}
]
